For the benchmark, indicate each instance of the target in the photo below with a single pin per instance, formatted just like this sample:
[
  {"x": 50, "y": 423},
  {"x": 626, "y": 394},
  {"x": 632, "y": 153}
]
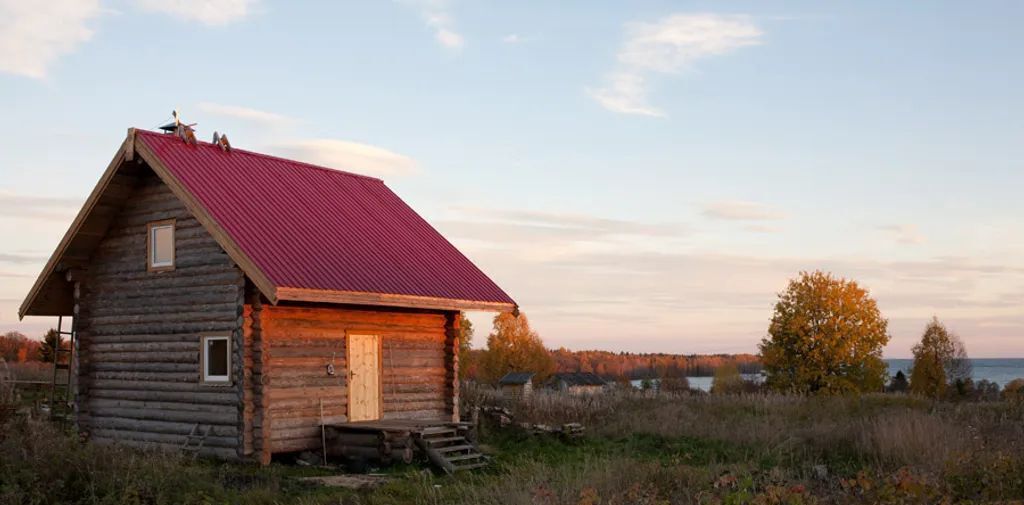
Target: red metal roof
[{"x": 311, "y": 227}]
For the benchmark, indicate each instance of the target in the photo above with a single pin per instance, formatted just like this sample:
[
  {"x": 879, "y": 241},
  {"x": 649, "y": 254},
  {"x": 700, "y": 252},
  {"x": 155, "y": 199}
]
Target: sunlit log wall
[{"x": 302, "y": 340}]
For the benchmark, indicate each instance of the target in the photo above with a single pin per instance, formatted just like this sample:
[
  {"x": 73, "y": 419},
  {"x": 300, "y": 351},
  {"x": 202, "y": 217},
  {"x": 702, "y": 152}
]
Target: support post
[
  {"x": 451, "y": 358},
  {"x": 260, "y": 380}
]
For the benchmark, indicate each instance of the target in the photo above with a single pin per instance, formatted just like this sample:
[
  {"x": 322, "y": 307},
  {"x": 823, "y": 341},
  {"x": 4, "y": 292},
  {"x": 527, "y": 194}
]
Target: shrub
[
  {"x": 727, "y": 380},
  {"x": 674, "y": 385},
  {"x": 986, "y": 390},
  {"x": 1014, "y": 390}
]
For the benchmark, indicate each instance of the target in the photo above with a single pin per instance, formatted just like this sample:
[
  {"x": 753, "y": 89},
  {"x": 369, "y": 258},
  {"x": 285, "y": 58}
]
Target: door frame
[{"x": 348, "y": 372}]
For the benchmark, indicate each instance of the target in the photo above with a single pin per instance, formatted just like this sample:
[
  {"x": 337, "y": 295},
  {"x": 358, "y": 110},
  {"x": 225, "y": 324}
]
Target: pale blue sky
[{"x": 639, "y": 175}]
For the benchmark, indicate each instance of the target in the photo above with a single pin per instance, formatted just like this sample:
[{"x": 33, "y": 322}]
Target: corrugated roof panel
[{"x": 312, "y": 227}]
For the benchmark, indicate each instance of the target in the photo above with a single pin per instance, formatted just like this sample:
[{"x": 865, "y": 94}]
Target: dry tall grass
[
  {"x": 33, "y": 371},
  {"x": 885, "y": 430},
  {"x": 8, "y": 396}
]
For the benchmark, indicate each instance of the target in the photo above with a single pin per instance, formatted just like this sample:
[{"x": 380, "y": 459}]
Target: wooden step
[
  {"x": 463, "y": 457},
  {"x": 454, "y": 448},
  {"x": 444, "y": 440},
  {"x": 437, "y": 430}
]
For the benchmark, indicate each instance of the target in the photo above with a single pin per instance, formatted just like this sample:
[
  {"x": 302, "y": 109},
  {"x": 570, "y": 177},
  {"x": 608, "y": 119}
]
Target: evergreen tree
[
  {"x": 899, "y": 383},
  {"x": 51, "y": 342}
]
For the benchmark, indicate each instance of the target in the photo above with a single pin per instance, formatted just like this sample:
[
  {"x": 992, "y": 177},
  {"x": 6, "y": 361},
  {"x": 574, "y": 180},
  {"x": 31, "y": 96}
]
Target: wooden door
[{"x": 364, "y": 391}]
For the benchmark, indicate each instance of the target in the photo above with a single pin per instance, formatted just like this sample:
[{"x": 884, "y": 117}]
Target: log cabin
[{"x": 243, "y": 301}]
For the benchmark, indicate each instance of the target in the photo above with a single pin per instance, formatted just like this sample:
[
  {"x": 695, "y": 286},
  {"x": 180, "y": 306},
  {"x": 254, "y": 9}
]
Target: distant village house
[
  {"x": 577, "y": 383},
  {"x": 516, "y": 384}
]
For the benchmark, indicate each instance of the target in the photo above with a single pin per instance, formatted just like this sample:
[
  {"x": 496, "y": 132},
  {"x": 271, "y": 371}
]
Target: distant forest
[{"x": 627, "y": 365}]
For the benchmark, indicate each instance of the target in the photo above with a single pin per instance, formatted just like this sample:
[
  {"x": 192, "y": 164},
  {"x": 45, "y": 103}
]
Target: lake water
[{"x": 998, "y": 370}]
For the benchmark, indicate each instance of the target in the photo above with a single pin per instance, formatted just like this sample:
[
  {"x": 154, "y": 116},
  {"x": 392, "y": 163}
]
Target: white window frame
[
  {"x": 151, "y": 249},
  {"x": 204, "y": 346}
]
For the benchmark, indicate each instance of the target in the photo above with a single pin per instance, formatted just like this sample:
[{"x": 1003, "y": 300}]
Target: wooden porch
[{"x": 449, "y": 446}]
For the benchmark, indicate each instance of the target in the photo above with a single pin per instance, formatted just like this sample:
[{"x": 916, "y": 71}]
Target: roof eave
[
  {"x": 124, "y": 153},
  {"x": 390, "y": 300}
]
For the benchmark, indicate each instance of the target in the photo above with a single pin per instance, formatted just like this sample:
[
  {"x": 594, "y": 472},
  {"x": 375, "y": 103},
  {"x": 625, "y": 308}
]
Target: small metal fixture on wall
[{"x": 330, "y": 366}]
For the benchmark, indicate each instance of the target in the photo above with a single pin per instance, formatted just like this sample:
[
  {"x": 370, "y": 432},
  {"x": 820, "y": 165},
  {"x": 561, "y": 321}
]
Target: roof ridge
[{"x": 271, "y": 156}]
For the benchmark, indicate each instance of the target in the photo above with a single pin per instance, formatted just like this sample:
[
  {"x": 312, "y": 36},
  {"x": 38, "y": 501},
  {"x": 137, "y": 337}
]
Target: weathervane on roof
[{"x": 184, "y": 131}]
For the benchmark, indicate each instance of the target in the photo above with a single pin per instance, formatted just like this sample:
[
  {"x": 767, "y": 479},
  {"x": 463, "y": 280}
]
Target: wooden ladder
[
  {"x": 448, "y": 450},
  {"x": 64, "y": 400},
  {"x": 195, "y": 439}
]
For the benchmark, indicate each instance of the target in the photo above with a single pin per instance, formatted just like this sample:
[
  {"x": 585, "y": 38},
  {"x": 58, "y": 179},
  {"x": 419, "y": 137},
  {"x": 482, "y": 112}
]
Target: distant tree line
[
  {"x": 513, "y": 346},
  {"x": 639, "y": 366},
  {"x": 16, "y": 347}
]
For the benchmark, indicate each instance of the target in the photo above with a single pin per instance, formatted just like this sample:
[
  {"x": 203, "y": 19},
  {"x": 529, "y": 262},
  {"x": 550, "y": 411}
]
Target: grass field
[{"x": 638, "y": 450}]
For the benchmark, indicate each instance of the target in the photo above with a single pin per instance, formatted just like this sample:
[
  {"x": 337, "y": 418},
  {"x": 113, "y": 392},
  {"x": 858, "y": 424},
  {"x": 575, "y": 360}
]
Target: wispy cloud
[
  {"x": 736, "y": 210},
  {"x": 903, "y": 233},
  {"x": 349, "y": 156},
  {"x": 33, "y": 35},
  {"x": 21, "y": 258},
  {"x": 512, "y": 38},
  {"x": 245, "y": 114},
  {"x": 38, "y": 207},
  {"x": 762, "y": 228},
  {"x": 691, "y": 300},
  {"x": 543, "y": 236},
  {"x": 207, "y": 12},
  {"x": 668, "y": 46},
  {"x": 437, "y": 15},
  {"x": 557, "y": 221}
]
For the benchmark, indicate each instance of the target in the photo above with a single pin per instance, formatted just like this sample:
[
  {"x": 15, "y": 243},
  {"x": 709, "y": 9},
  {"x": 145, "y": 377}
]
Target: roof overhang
[
  {"x": 388, "y": 300},
  {"x": 50, "y": 295}
]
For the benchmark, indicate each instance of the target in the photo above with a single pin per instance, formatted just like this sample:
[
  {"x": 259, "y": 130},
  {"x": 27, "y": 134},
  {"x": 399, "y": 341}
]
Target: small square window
[
  {"x": 161, "y": 245},
  {"x": 216, "y": 361}
]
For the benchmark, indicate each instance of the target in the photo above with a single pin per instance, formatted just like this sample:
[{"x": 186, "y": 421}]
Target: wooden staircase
[{"x": 449, "y": 450}]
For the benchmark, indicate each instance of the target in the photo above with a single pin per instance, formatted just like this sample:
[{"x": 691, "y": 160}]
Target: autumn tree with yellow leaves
[
  {"x": 514, "y": 347},
  {"x": 826, "y": 337},
  {"x": 940, "y": 360}
]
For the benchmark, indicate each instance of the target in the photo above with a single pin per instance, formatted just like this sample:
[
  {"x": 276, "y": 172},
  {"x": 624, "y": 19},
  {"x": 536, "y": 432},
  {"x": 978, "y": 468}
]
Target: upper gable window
[{"x": 160, "y": 249}]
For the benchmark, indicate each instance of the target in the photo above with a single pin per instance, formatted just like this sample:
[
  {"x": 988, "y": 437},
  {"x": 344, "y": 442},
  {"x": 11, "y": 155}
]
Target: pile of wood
[
  {"x": 503, "y": 417},
  {"x": 500, "y": 415},
  {"x": 381, "y": 447},
  {"x": 568, "y": 430}
]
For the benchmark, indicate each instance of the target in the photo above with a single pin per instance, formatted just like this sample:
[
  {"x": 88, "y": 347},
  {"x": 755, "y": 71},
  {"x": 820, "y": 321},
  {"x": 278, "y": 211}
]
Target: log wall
[
  {"x": 139, "y": 333},
  {"x": 302, "y": 340}
]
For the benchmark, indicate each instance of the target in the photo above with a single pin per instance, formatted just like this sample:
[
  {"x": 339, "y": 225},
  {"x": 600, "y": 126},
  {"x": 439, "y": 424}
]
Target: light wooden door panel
[{"x": 364, "y": 377}]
